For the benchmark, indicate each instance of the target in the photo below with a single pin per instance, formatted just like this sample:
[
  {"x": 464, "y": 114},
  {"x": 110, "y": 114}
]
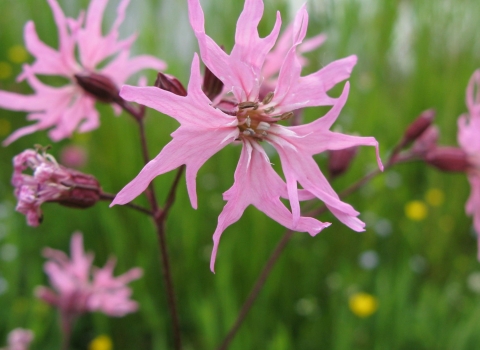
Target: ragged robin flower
[
  {"x": 244, "y": 116},
  {"x": 469, "y": 141},
  {"x": 72, "y": 107},
  {"x": 78, "y": 287}
]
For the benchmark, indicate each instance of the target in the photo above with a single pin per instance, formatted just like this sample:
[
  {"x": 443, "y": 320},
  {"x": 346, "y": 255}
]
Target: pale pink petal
[
  {"x": 18, "y": 102},
  {"x": 183, "y": 149},
  {"x": 258, "y": 184},
  {"x": 473, "y": 94},
  {"x": 48, "y": 61},
  {"x": 93, "y": 46},
  {"x": 310, "y": 90},
  {"x": 249, "y": 47},
  {"x": 193, "y": 110},
  {"x": 121, "y": 68},
  {"x": 240, "y": 71}
]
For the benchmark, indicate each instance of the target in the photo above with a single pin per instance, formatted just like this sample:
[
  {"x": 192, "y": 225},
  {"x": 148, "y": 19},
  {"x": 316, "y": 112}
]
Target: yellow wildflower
[
  {"x": 416, "y": 210},
  {"x": 363, "y": 304},
  {"x": 102, "y": 342}
]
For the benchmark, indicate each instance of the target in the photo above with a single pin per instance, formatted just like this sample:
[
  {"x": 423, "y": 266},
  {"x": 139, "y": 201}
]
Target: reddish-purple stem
[{"x": 159, "y": 218}]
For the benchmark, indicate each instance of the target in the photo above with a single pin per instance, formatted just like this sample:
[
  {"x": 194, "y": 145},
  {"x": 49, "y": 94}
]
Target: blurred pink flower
[
  {"x": 50, "y": 182},
  {"x": 71, "y": 107},
  {"x": 469, "y": 140},
  {"x": 73, "y": 156},
  {"x": 76, "y": 292},
  {"x": 246, "y": 118},
  {"x": 19, "y": 339}
]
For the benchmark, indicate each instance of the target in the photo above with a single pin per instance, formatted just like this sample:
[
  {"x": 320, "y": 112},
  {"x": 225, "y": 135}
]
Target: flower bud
[
  {"x": 99, "y": 86},
  {"x": 448, "y": 159},
  {"x": 212, "y": 86},
  {"x": 170, "y": 83},
  {"x": 418, "y": 127},
  {"x": 339, "y": 160}
]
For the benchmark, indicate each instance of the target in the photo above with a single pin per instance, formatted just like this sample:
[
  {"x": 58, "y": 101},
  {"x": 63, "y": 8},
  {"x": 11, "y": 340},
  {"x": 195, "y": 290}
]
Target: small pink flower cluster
[
  {"x": 76, "y": 292},
  {"x": 50, "y": 182}
]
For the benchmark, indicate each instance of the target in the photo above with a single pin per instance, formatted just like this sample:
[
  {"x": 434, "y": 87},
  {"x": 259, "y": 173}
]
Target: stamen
[
  {"x": 249, "y": 132},
  {"x": 248, "y": 121},
  {"x": 264, "y": 133},
  {"x": 268, "y": 98},
  {"x": 248, "y": 104},
  {"x": 263, "y": 126},
  {"x": 268, "y": 110},
  {"x": 286, "y": 116}
]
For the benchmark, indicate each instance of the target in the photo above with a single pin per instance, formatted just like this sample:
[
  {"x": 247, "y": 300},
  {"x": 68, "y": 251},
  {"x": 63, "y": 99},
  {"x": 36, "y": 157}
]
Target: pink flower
[
  {"x": 50, "y": 182},
  {"x": 75, "y": 292},
  {"x": 468, "y": 132},
  {"x": 19, "y": 339},
  {"x": 72, "y": 107},
  {"x": 243, "y": 117}
]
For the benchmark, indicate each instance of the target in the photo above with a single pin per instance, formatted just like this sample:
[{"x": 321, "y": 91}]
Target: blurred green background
[{"x": 418, "y": 267}]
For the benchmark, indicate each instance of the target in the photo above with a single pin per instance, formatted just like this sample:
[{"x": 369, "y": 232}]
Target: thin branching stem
[{"x": 159, "y": 218}]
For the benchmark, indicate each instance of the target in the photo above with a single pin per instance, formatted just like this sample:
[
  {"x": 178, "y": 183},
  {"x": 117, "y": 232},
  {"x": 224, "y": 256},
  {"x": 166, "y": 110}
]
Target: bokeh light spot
[
  {"x": 17, "y": 54},
  {"x": 435, "y": 197},
  {"x": 102, "y": 342},
  {"x": 416, "y": 210},
  {"x": 363, "y": 304},
  {"x": 5, "y": 70}
]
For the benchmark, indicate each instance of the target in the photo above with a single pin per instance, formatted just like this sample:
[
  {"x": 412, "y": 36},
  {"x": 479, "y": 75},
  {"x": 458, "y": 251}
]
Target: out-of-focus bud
[
  {"x": 50, "y": 182},
  {"x": 99, "y": 86},
  {"x": 84, "y": 190},
  {"x": 426, "y": 142},
  {"x": 418, "y": 127},
  {"x": 170, "y": 83},
  {"x": 448, "y": 159},
  {"x": 339, "y": 161},
  {"x": 212, "y": 86}
]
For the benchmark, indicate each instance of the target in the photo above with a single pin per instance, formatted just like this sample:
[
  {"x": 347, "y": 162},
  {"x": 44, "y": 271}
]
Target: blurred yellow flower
[
  {"x": 17, "y": 54},
  {"x": 435, "y": 197},
  {"x": 363, "y": 304},
  {"x": 5, "y": 127},
  {"x": 416, "y": 210},
  {"x": 5, "y": 70},
  {"x": 102, "y": 342}
]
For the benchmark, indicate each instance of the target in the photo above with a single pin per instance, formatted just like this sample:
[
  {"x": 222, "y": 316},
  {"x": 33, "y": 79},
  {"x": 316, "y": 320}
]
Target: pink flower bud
[
  {"x": 418, "y": 127},
  {"x": 170, "y": 83},
  {"x": 448, "y": 159},
  {"x": 339, "y": 160},
  {"x": 212, "y": 86},
  {"x": 99, "y": 86}
]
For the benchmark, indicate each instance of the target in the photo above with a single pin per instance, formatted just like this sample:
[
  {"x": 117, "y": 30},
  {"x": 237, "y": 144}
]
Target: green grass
[{"x": 413, "y": 55}]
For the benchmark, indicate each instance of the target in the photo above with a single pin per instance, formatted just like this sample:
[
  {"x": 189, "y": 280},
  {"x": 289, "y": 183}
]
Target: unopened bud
[
  {"x": 212, "y": 86},
  {"x": 418, "y": 127},
  {"x": 170, "y": 83},
  {"x": 448, "y": 159},
  {"x": 339, "y": 160},
  {"x": 99, "y": 86},
  {"x": 84, "y": 190}
]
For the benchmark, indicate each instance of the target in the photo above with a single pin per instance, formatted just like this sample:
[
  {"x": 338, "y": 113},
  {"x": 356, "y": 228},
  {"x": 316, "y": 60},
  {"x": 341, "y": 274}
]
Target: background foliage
[{"x": 422, "y": 269}]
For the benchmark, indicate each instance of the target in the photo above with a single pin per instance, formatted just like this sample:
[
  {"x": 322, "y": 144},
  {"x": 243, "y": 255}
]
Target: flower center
[{"x": 255, "y": 118}]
